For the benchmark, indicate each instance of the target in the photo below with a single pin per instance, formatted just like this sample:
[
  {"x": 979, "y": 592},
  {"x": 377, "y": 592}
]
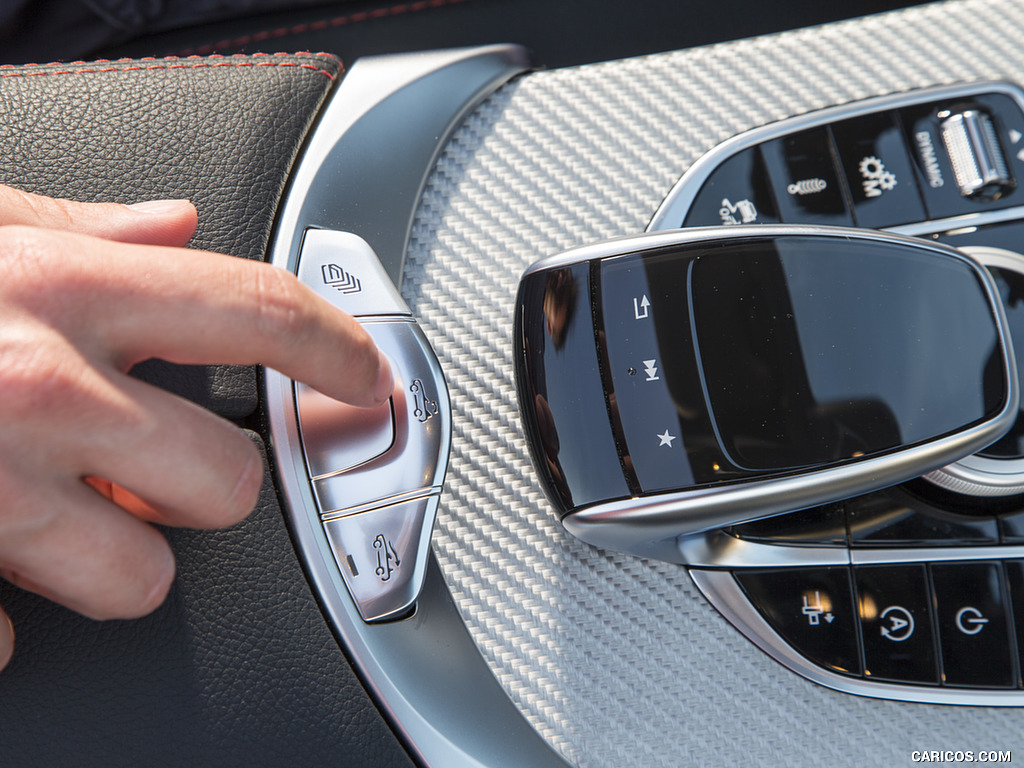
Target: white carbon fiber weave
[{"x": 615, "y": 660}]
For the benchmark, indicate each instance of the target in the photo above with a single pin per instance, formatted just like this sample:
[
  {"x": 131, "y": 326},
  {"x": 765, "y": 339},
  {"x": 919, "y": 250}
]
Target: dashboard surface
[{"x": 608, "y": 655}]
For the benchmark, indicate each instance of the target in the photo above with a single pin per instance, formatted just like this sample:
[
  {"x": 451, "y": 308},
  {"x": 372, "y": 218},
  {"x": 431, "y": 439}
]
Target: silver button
[
  {"x": 418, "y": 454},
  {"x": 382, "y": 554},
  {"x": 343, "y": 269},
  {"x": 338, "y": 436}
]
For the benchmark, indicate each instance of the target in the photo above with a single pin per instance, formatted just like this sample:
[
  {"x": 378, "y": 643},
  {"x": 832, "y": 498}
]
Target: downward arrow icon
[{"x": 650, "y": 370}]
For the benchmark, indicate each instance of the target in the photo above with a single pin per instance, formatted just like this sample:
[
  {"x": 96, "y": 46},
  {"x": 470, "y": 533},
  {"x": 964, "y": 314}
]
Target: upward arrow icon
[{"x": 640, "y": 308}]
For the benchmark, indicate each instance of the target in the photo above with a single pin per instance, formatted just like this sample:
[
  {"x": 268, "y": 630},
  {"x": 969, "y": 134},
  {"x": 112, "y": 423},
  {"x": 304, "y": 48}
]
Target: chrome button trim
[
  {"x": 342, "y": 268},
  {"x": 337, "y": 436},
  {"x": 422, "y": 426},
  {"x": 382, "y": 555}
]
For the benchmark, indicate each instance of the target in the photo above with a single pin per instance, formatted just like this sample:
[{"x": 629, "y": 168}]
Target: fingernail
[
  {"x": 10, "y": 650},
  {"x": 385, "y": 380},
  {"x": 158, "y": 206}
]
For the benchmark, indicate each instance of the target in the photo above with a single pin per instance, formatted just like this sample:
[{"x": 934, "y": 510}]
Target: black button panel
[
  {"x": 818, "y": 526},
  {"x": 942, "y": 624},
  {"x": 896, "y": 518},
  {"x": 909, "y": 161},
  {"x": 893, "y": 517}
]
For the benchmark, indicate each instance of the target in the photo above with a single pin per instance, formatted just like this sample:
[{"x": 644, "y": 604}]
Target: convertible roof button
[{"x": 382, "y": 555}]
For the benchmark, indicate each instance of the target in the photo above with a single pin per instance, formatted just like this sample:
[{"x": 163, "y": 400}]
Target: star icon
[{"x": 666, "y": 439}]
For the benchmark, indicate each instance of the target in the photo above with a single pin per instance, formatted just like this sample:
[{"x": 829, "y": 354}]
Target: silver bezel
[
  {"x": 645, "y": 525},
  {"x": 425, "y": 672}
]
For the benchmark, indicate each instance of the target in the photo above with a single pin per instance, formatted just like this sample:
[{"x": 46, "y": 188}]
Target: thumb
[
  {"x": 6, "y": 639},
  {"x": 156, "y": 222}
]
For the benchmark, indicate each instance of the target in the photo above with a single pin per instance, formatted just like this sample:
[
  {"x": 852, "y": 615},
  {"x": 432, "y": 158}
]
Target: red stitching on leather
[
  {"x": 322, "y": 54},
  {"x": 197, "y": 65},
  {"x": 317, "y": 26}
]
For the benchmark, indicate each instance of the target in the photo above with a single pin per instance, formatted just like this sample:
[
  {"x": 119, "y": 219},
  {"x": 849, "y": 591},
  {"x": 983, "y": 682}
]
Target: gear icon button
[
  {"x": 887, "y": 180},
  {"x": 875, "y": 179},
  {"x": 871, "y": 167}
]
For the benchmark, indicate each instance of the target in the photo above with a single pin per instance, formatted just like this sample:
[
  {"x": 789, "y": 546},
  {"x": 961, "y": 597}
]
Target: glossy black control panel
[
  {"x": 900, "y": 614},
  {"x": 931, "y": 624},
  {"x": 762, "y": 356},
  {"x": 675, "y": 383},
  {"x": 914, "y": 159},
  {"x": 561, "y": 395}
]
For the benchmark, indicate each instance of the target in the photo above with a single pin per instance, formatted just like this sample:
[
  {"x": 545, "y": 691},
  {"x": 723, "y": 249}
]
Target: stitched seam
[
  {"x": 129, "y": 59},
  {"x": 235, "y": 64},
  {"x": 318, "y": 26}
]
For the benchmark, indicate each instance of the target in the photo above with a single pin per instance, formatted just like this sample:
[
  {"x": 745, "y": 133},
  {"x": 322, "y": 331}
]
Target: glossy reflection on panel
[{"x": 763, "y": 356}]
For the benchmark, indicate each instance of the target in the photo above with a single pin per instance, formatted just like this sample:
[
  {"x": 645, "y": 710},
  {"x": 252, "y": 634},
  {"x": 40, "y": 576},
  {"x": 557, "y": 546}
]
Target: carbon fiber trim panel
[{"x": 613, "y": 659}]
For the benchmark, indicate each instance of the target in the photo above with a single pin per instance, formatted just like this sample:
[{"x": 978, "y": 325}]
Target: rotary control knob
[{"x": 979, "y": 164}]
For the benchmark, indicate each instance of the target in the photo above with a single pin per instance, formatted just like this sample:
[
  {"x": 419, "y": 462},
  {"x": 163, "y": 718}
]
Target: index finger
[{"x": 128, "y": 303}]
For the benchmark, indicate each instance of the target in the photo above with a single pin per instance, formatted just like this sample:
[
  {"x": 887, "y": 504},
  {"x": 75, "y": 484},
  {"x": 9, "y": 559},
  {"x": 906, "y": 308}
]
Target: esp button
[{"x": 737, "y": 192}]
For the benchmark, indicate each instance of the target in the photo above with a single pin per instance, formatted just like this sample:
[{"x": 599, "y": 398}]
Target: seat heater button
[
  {"x": 894, "y": 604},
  {"x": 342, "y": 268},
  {"x": 337, "y": 436},
  {"x": 805, "y": 180},
  {"x": 812, "y": 609},
  {"x": 878, "y": 169},
  {"x": 973, "y": 630},
  {"x": 382, "y": 555}
]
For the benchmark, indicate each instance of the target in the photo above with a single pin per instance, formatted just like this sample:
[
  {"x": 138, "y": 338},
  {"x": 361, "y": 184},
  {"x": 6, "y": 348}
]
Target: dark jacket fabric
[{"x": 59, "y": 30}]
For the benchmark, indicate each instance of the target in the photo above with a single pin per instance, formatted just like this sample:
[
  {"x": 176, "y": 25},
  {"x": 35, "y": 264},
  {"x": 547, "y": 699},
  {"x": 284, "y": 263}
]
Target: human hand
[{"x": 90, "y": 456}]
